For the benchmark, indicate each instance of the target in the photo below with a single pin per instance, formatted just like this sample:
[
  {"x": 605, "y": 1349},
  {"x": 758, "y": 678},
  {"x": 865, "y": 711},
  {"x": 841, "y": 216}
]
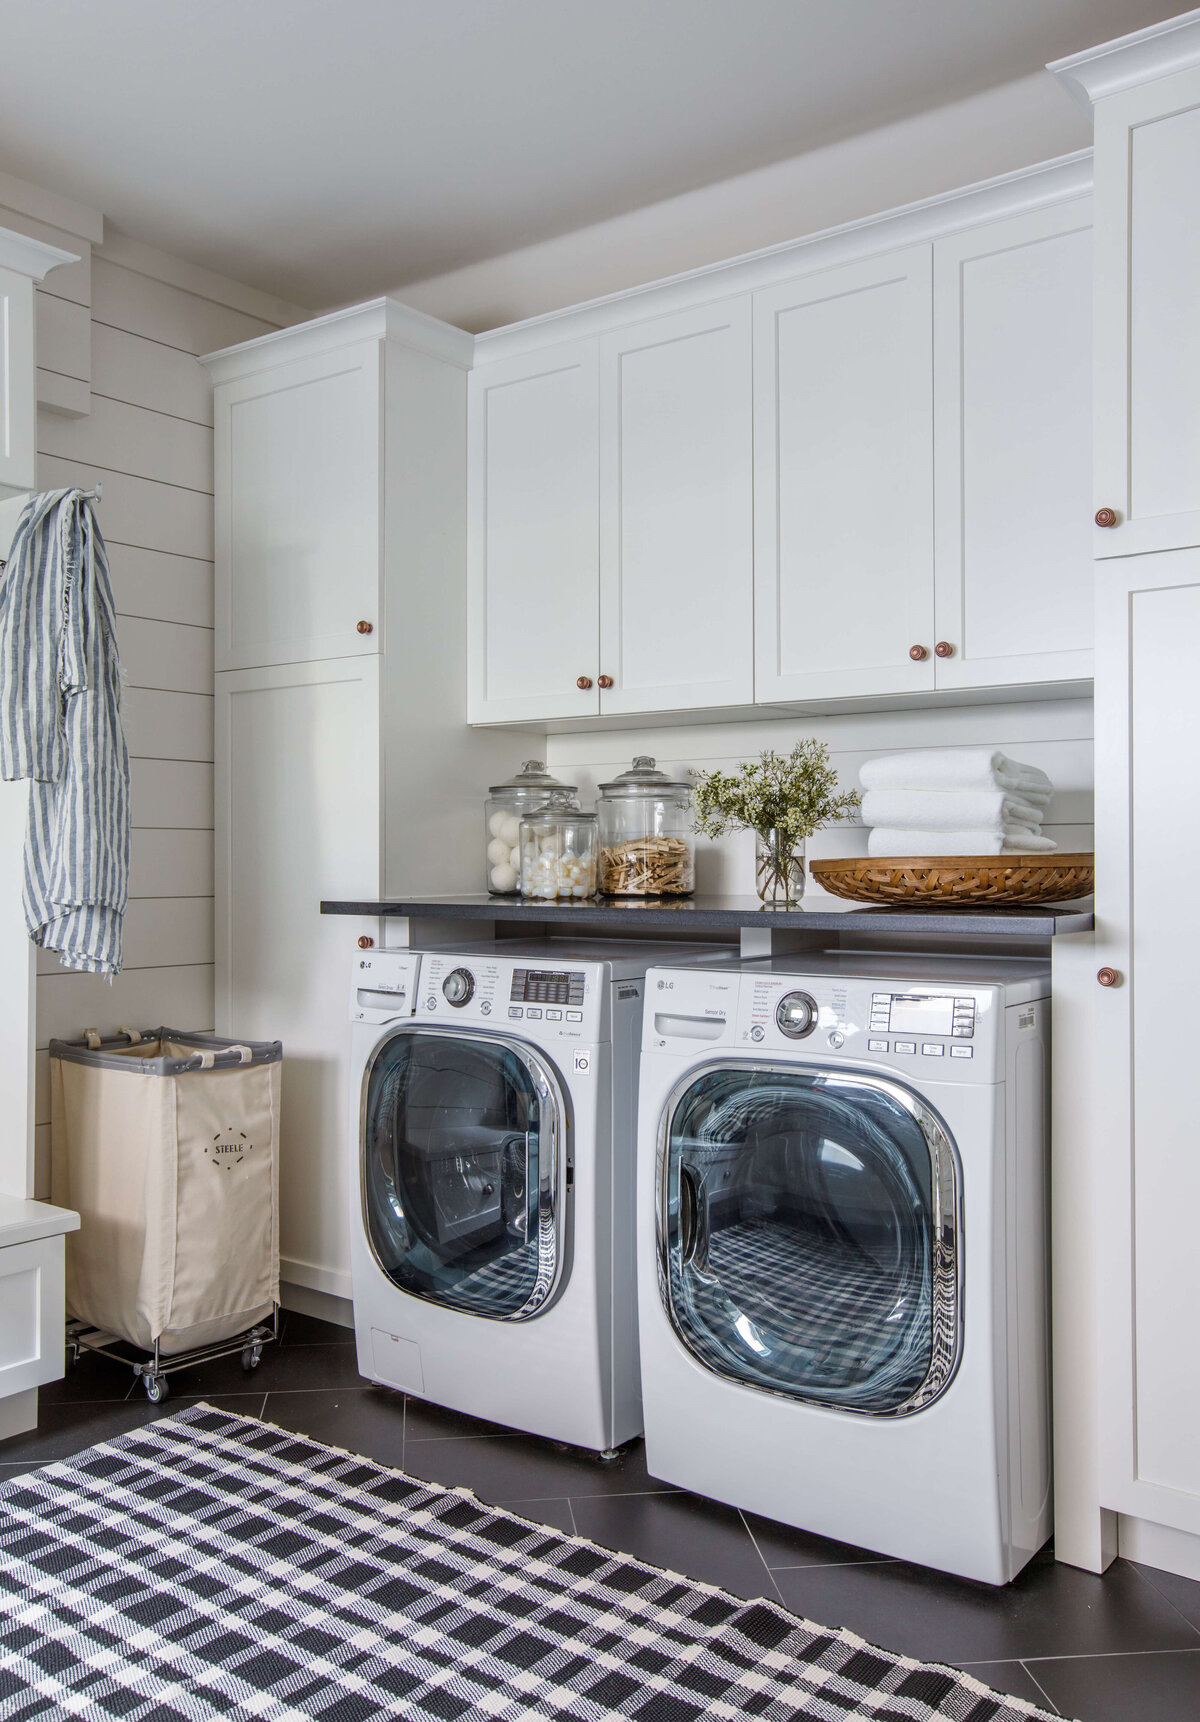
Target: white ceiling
[{"x": 327, "y": 150}]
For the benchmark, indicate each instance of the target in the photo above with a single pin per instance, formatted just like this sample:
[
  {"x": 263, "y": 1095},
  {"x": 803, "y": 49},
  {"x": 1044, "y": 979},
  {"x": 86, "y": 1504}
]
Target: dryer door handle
[{"x": 689, "y": 1217}]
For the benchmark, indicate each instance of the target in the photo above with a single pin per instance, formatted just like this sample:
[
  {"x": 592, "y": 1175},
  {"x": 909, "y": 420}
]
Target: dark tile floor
[{"x": 1122, "y": 1648}]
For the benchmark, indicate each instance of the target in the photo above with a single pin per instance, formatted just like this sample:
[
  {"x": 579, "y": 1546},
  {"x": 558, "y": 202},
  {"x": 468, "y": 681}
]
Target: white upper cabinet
[
  {"x": 17, "y": 411},
  {"x": 533, "y": 537},
  {"x": 298, "y": 509},
  {"x": 1013, "y": 480},
  {"x": 676, "y": 512},
  {"x": 843, "y": 453},
  {"x": 1146, "y": 92}
]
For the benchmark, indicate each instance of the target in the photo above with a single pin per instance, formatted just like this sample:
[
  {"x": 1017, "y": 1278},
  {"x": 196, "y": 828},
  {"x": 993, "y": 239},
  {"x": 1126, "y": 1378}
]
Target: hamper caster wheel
[
  {"x": 157, "y": 1388},
  {"x": 251, "y": 1356}
]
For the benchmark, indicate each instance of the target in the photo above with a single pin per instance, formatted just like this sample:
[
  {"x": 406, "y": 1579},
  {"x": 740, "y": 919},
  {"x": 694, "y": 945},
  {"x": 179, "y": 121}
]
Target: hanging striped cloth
[{"x": 60, "y": 724}]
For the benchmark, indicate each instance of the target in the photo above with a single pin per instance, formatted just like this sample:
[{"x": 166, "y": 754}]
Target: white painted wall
[
  {"x": 148, "y": 438},
  {"x": 1053, "y": 734},
  {"x": 1012, "y": 126}
]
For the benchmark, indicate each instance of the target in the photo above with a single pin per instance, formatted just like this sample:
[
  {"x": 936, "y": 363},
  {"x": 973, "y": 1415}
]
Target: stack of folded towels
[{"x": 954, "y": 801}]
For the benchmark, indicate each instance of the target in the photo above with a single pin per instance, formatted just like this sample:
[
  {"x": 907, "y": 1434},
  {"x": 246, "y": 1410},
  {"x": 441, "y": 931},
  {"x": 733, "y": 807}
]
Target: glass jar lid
[
  {"x": 551, "y": 815},
  {"x": 533, "y": 775},
  {"x": 644, "y": 778}
]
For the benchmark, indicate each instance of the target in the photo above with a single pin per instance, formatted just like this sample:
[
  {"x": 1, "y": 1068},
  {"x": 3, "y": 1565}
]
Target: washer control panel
[{"x": 540, "y": 1002}]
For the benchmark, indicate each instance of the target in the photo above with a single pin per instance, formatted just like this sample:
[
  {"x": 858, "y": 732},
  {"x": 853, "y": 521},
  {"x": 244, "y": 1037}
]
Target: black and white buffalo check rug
[{"x": 213, "y": 1566}]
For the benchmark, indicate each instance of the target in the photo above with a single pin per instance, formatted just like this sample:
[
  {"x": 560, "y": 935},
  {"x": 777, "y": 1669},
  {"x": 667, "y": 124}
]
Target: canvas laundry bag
[{"x": 166, "y": 1145}]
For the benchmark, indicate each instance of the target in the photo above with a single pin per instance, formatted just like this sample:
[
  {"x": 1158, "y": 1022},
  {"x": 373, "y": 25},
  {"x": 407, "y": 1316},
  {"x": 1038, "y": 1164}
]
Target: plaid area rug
[{"x": 212, "y": 1566}]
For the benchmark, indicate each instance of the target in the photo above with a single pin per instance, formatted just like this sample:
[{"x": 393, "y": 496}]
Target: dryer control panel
[{"x": 931, "y": 1031}]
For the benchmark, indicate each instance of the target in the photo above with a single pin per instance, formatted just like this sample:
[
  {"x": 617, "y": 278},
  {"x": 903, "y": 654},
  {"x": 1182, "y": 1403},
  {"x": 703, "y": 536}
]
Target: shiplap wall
[
  {"x": 1053, "y": 734},
  {"x": 148, "y": 438}
]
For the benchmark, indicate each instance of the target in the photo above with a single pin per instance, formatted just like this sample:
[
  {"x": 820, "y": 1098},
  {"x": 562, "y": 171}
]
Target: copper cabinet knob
[
  {"x": 365, "y": 941},
  {"x": 1109, "y": 977},
  {"x": 944, "y": 649},
  {"x": 604, "y": 681},
  {"x": 366, "y": 627},
  {"x": 583, "y": 682},
  {"x": 918, "y": 653},
  {"x": 1106, "y": 517}
]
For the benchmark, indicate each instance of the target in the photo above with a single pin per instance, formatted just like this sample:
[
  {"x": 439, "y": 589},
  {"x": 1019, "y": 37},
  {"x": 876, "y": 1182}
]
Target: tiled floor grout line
[
  {"x": 1050, "y": 1704},
  {"x": 1159, "y": 1592}
]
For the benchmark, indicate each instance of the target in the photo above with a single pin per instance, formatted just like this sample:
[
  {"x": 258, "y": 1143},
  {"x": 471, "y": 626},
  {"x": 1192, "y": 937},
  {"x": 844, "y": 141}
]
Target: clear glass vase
[{"x": 778, "y": 869}]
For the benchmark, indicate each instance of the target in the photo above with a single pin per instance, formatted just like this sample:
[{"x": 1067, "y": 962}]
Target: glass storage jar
[
  {"x": 558, "y": 854},
  {"x": 507, "y": 804},
  {"x": 646, "y": 846}
]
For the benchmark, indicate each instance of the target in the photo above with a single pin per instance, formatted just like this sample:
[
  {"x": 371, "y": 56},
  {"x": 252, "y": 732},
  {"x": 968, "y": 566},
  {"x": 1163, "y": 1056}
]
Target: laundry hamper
[{"x": 165, "y": 1143}]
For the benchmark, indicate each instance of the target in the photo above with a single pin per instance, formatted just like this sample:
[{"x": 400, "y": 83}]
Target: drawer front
[{"x": 32, "y": 1314}]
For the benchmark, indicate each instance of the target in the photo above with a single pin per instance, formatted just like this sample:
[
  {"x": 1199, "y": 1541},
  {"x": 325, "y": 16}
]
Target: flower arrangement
[{"x": 783, "y": 799}]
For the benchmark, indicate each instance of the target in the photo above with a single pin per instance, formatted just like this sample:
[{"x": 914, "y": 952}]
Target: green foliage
[{"x": 795, "y": 792}]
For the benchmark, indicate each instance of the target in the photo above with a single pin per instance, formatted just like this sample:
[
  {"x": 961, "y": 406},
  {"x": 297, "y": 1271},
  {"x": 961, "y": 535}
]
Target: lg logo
[{"x": 666, "y": 986}]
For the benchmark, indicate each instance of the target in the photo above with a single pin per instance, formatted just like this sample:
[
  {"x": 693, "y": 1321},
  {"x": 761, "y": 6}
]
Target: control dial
[
  {"x": 796, "y": 1015},
  {"x": 458, "y": 988}
]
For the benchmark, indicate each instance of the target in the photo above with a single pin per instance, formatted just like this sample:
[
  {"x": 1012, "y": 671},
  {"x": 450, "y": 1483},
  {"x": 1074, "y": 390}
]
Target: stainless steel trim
[
  {"x": 946, "y": 1300},
  {"x": 553, "y": 1250}
]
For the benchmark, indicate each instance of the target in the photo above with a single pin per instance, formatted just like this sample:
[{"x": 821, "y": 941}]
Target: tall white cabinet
[
  {"x": 1145, "y": 1188},
  {"x": 344, "y": 765},
  {"x": 31, "y": 1232}
]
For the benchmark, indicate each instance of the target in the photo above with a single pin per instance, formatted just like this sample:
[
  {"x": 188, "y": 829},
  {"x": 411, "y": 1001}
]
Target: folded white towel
[
  {"x": 953, "y": 768},
  {"x": 886, "y": 840},
  {"x": 949, "y": 809}
]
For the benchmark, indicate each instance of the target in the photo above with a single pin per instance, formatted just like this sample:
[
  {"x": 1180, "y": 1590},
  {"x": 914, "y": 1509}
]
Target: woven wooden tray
[{"x": 942, "y": 881}]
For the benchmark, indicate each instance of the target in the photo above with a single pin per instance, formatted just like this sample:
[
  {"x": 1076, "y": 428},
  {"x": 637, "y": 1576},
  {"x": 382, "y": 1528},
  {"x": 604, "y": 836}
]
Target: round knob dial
[
  {"x": 584, "y": 682},
  {"x": 604, "y": 681},
  {"x": 944, "y": 649},
  {"x": 1106, "y": 517},
  {"x": 796, "y": 1015},
  {"x": 918, "y": 653},
  {"x": 365, "y": 941},
  {"x": 366, "y": 627},
  {"x": 458, "y": 988},
  {"x": 1109, "y": 977}
]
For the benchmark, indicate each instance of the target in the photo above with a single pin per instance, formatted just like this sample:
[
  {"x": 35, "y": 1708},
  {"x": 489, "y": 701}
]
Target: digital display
[
  {"x": 547, "y": 986},
  {"x": 911, "y": 1014}
]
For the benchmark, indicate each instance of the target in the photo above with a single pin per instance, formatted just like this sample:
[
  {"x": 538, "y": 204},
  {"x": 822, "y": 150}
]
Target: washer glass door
[
  {"x": 461, "y": 1137},
  {"x": 808, "y": 1235}
]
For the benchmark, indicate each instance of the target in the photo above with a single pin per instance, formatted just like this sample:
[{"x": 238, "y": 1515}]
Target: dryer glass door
[
  {"x": 808, "y": 1235},
  {"x": 461, "y": 1139}
]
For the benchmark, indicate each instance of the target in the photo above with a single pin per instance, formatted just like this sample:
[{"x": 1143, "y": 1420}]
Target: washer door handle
[{"x": 689, "y": 1217}]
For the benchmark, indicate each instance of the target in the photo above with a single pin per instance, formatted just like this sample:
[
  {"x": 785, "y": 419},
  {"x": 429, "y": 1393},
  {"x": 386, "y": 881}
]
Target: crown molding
[
  {"x": 1139, "y": 58},
  {"x": 32, "y": 257}
]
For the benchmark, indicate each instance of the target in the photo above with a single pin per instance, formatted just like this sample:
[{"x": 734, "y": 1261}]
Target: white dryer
[
  {"x": 493, "y": 1131},
  {"x": 843, "y": 1249}
]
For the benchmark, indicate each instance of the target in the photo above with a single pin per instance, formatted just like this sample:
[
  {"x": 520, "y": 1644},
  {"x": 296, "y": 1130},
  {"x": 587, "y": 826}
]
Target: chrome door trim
[
  {"x": 946, "y": 1294},
  {"x": 552, "y": 1181}
]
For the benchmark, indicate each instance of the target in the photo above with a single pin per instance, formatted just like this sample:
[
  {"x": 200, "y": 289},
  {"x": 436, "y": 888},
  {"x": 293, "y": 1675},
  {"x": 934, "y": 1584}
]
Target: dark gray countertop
[{"x": 728, "y": 914}]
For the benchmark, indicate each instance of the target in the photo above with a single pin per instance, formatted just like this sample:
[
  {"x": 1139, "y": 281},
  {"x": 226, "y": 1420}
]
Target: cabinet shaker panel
[
  {"x": 1013, "y": 481},
  {"x": 843, "y": 451},
  {"x": 676, "y": 511},
  {"x": 298, "y": 510},
  {"x": 533, "y": 537}
]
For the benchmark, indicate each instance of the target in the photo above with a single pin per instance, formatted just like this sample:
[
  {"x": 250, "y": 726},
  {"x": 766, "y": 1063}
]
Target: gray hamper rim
[{"x": 79, "y": 1052}]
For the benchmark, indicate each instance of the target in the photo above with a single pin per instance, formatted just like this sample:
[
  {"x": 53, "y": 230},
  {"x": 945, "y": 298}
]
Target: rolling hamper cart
[{"x": 165, "y": 1143}]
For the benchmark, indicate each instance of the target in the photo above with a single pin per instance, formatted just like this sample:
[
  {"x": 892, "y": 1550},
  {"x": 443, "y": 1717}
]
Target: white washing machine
[
  {"x": 494, "y": 1122},
  {"x": 842, "y": 1249}
]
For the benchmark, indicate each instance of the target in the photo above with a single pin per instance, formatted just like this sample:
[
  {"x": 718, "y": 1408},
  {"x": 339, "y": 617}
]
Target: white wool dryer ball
[
  {"x": 498, "y": 850},
  {"x": 504, "y": 877},
  {"x": 511, "y": 829},
  {"x": 497, "y": 823}
]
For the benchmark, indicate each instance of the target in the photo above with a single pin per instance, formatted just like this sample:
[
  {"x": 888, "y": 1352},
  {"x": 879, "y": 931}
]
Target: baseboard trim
[
  {"x": 1159, "y": 1546},
  {"x": 325, "y": 1307},
  {"x": 334, "y": 1281}
]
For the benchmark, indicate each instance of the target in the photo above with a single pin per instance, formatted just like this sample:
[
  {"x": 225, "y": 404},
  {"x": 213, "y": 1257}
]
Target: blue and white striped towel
[{"x": 60, "y": 724}]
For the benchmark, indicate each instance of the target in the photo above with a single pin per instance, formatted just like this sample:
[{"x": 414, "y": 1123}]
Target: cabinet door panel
[
  {"x": 1147, "y": 166},
  {"x": 297, "y": 816},
  {"x": 1013, "y": 368},
  {"x": 533, "y": 537},
  {"x": 17, "y": 409},
  {"x": 1148, "y": 1173},
  {"x": 676, "y": 512},
  {"x": 843, "y": 445},
  {"x": 298, "y": 512}
]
